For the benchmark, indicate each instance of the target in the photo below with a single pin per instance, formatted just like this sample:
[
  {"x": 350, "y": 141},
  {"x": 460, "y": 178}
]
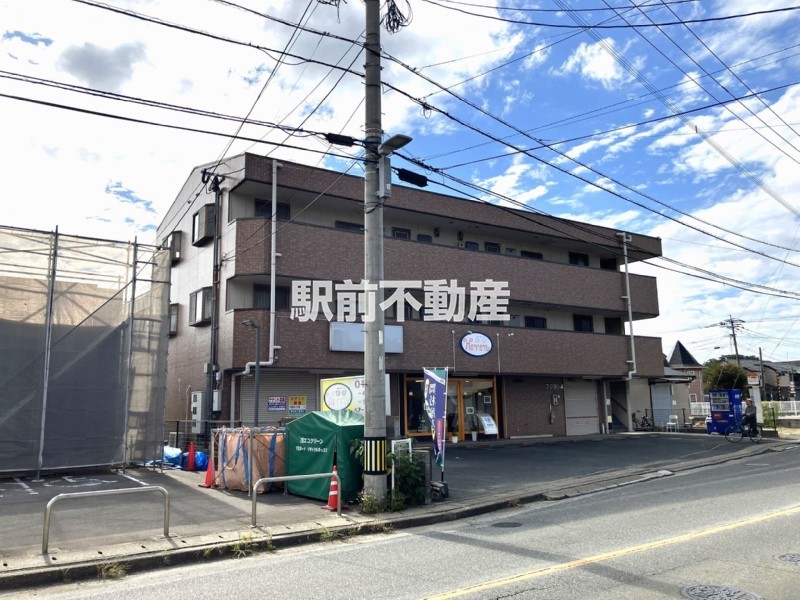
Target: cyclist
[{"x": 749, "y": 419}]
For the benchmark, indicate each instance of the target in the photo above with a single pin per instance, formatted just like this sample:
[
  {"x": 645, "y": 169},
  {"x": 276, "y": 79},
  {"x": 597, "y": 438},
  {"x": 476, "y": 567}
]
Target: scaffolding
[{"x": 83, "y": 336}]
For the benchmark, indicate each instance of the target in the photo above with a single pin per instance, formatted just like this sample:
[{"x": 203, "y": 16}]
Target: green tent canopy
[{"x": 315, "y": 442}]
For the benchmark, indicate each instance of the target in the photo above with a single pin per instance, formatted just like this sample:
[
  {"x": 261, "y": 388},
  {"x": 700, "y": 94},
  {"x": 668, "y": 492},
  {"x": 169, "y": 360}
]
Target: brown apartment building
[{"x": 561, "y": 364}]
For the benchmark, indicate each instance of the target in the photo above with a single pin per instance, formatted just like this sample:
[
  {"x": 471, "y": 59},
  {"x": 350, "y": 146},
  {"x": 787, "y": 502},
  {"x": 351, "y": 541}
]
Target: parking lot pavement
[{"x": 127, "y": 525}]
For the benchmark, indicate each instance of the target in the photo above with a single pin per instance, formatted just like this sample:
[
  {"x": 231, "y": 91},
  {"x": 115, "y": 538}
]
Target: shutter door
[
  {"x": 282, "y": 385},
  {"x": 661, "y": 396},
  {"x": 580, "y": 406}
]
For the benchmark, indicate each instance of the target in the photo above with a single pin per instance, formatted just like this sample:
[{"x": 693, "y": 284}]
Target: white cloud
[{"x": 596, "y": 63}]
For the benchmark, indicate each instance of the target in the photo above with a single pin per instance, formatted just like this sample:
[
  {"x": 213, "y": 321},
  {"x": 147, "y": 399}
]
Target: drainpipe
[
  {"x": 627, "y": 297},
  {"x": 272, "y": 266}
]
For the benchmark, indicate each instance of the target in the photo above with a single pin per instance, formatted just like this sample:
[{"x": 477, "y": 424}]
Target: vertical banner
[{"x": 435, "y": 399}]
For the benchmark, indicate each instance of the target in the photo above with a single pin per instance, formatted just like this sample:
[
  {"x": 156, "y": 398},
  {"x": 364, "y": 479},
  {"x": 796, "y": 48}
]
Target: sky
[{"x": 678, "y": 119}]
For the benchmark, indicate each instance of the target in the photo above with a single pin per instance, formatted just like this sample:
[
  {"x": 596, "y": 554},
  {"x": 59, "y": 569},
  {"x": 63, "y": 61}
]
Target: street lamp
[{"x": 257, "y": 327}]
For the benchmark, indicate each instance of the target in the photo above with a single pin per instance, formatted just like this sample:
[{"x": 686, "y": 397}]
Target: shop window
[
  {"x": 203, "y": 225},
  {"x": 417, "y": 420},
  {"x": 531, "y": 255},
  {"x": 200, "y": 307},
  {"x": 583, "y": 323},
  {"x": 173, "y": 319},
  {"x": 579, "y": 258}
]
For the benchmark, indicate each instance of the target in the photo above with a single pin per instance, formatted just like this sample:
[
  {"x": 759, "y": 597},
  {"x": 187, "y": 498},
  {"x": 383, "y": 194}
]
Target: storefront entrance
[{"x": 468, "y": 399}]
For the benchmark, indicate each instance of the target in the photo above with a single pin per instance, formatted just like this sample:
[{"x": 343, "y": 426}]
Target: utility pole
[
  {"x": 734, "y": 324},
  {"x": 374, "y": 355},
  {"x": 211, "y": 369}
]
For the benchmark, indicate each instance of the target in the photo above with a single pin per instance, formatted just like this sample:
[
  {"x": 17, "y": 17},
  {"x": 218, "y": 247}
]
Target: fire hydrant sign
[{"x": 347, "y": 393}]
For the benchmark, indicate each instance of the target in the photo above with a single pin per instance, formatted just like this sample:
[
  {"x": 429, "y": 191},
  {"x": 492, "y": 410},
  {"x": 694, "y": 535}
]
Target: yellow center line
[{"x": 693, "y": 535}]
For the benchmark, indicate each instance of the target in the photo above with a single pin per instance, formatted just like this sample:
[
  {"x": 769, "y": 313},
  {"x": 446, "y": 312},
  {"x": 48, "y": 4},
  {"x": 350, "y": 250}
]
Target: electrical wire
[{"x": 633, "y": 26}]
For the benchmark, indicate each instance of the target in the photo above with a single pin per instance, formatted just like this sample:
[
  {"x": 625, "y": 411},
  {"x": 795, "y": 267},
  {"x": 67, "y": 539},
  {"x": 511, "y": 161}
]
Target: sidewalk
[{"x": 93, "y": 537}]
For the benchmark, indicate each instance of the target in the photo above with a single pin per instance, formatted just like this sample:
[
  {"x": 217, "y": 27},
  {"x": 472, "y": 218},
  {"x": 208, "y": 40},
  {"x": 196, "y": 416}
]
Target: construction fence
[{"x": 83, "y": 335}]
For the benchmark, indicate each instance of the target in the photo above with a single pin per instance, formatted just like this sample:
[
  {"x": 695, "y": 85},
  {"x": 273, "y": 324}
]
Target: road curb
[{"x": 262, "y": 541}]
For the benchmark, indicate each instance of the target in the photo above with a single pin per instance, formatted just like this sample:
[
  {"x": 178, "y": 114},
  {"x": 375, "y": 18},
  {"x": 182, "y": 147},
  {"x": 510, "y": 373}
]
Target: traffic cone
[
  {"x": 210, "y": 475},
  {"x": 333, "y": 495},
  {"x": 190, "y": 458}
]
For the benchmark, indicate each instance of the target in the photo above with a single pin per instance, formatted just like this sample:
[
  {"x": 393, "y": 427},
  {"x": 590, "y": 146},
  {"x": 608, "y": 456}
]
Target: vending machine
[{"x": 726, "y": 409}]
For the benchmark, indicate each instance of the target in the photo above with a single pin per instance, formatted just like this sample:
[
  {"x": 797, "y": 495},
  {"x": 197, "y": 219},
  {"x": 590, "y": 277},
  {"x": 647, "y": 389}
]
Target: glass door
[{"x": 453, "y": 409}]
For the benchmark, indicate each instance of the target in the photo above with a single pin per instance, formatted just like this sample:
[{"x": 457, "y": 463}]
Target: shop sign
[{"x": 476, "y": 344}]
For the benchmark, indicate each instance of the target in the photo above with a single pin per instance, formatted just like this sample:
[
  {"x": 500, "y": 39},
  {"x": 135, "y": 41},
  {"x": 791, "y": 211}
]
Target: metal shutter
[
  {"x": 580, "y": 405},
  {"x": 277, "y": 384}
]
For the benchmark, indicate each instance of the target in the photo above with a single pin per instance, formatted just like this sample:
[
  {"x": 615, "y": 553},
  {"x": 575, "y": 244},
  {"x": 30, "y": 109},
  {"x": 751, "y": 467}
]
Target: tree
[{"x": 718, "y": 374}]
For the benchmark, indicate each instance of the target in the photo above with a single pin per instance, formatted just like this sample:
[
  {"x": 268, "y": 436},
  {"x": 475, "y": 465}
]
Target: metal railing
[
  {"x": 264, "y": 480},
  {"x": 150, "y": 488}
]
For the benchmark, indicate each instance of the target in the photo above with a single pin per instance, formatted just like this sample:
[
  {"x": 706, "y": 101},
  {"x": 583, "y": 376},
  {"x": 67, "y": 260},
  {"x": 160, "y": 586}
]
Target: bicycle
[
  {"x": 645, "y": 424},
  {"x": 734, "y": 433}
]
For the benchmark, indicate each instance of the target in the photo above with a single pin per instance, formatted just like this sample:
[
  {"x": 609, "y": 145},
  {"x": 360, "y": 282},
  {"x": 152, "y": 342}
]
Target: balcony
[
  {"x": 526, "y": 352},
  {"x": 314, "y": 252}
]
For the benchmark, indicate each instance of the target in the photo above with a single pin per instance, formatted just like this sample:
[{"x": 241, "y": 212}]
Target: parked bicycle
[
  {"x": 645, "y": 424},
  {"x": 735, "y": 432}
]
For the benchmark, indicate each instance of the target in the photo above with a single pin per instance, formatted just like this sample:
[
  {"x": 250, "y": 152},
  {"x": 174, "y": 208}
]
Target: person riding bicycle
[{"x": 749, "y": 418}]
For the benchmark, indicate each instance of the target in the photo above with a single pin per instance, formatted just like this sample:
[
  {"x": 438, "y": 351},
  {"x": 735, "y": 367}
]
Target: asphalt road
[{"x": 731, "y": 528}]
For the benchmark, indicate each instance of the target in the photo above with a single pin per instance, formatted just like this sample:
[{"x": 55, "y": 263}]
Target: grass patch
[{"x": 112, "y": 570}]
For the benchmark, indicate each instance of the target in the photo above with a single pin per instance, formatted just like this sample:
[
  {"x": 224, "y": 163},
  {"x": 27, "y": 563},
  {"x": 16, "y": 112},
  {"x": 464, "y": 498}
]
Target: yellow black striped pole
[{"x": 375, "y": 456}]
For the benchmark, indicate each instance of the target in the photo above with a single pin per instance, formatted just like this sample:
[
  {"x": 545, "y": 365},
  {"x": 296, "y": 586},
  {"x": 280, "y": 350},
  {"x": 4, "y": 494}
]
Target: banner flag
[{"x": 435, "y": 394}]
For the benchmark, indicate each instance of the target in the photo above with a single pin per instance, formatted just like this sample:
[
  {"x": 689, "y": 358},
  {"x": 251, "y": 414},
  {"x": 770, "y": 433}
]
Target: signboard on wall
[
  {"x": 476, "y": 344},
  {"x": 347, "y": 393},
  {"x": 277, "y": 403},
  {"x": 298, "y": 405}
]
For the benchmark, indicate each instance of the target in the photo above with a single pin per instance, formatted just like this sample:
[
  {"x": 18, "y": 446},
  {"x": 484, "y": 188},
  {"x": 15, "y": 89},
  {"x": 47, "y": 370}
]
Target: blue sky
[{"x": 689, "y": 131}]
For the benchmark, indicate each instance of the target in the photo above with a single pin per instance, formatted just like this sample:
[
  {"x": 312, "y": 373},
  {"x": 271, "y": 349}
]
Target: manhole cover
[
  {"x": 507, "y": 524},
  {"x": 717, "y": 592},
  {"x": 793, "y": 558}
]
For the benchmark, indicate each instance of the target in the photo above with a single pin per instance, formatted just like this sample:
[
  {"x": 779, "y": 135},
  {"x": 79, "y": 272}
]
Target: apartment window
[
  {"x": 578, "y": 258},
  {"x": 692, "y": 397},
  {"x": 261, "y": 296},
  {"x": 472, "y": 246},
  {"x": 583, "y": 323},
  {"x": 173, "y": 319},
  {"x": 264, "y": 210},
  {"x": 348, "y": 226},
  {"x": 173, "y": 244},
  {"x": 424, "y": 238},
  {"x": 492, "y": 247},
  {"x": 511, "y": 251},
  {"x": 203, "y": 225},
  {"x": 536, "y": 322},
  {"x": 401, "y": 233},
  {"x": 200, "y": 307},
  {"x": 609, "y": 264},
  {"x": 614, "y": 325},
  {"x": 531, "y": 255}
]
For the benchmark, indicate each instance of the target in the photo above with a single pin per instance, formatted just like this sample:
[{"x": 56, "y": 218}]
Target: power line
[{"x": 632, "y": 26}]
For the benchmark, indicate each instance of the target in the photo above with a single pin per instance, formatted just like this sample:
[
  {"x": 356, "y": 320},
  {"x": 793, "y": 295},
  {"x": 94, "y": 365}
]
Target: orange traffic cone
[
  {"x": 210, "y": 475},
  {"x": 333, "y": 496},
  {"x": 190, "y": 458}
]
